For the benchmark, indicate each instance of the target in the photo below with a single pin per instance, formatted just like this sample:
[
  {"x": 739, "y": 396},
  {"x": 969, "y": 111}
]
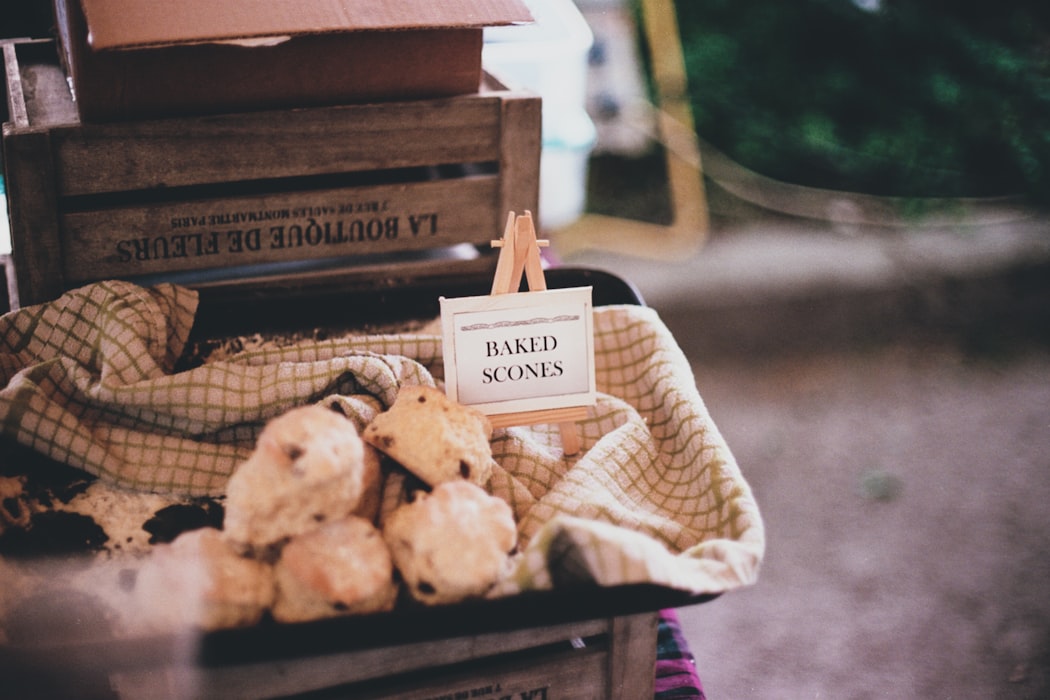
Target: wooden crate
[
  {"x": 588, "y": 658},
  {"x": 271, "y": 203},
  {"x": 599, "y": 659}
]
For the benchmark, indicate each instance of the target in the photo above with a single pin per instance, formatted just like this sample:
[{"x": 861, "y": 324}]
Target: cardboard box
[{"x": 133, "y": 59}]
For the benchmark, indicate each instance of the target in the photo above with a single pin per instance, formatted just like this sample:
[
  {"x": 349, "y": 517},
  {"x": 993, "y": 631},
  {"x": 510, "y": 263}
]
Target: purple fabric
[{"x": 676, "y": 675}]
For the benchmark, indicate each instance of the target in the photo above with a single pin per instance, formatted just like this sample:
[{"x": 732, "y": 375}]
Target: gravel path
[{"x": 905, "y": 492}]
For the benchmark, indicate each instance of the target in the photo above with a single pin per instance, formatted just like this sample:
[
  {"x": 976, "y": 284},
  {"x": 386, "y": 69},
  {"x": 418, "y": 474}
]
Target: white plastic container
[
  {"x": 550, "y": 58},
  {"x": 563, "y": 171}
]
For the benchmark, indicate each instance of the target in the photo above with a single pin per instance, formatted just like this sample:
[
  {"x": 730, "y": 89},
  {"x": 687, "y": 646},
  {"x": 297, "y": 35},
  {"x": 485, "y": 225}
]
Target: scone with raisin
[
  {"x": 200, "y": 580},
  {"x": 307, "y": 469},
  {"x": 452, "y": 543},
  {"x": 372, "y": 480},
  {"x": 434, "y": 437},
  {"x": 343, "y": 568}
]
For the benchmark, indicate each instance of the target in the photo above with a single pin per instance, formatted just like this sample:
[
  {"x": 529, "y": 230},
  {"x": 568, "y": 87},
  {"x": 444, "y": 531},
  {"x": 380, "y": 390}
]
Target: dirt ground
[{"x": 905, "y": 491}]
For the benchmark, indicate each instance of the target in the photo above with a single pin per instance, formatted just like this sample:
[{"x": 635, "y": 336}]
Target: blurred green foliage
[{"x": 918, "y": 98}]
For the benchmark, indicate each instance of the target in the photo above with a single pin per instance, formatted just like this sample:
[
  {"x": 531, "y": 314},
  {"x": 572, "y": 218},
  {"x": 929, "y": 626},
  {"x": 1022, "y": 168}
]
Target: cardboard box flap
[{"x": 121, "y": 24}]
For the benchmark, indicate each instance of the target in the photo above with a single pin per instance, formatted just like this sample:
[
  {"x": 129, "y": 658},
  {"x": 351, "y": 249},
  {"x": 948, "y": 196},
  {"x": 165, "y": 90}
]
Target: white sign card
[{"x": 529, "y": 351}]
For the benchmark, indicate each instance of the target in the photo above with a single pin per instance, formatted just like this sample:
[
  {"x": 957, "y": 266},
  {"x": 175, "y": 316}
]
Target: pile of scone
[{"x": 310, "y": 531}]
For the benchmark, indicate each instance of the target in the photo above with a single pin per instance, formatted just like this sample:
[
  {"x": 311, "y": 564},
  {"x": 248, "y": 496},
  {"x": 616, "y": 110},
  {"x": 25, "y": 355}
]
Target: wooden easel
[{"x": 520, "y": 254}]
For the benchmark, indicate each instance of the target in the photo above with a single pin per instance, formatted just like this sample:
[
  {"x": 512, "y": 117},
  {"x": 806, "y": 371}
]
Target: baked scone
[
  {"x": 198, "y": 579},
  {"x": 372, "y": 479},
  {"x": 343, "y": 568},
  {"x": 307, "y": 469},
  {"x": 434, "y": 437},
  {"x": 452, "y": 543}
]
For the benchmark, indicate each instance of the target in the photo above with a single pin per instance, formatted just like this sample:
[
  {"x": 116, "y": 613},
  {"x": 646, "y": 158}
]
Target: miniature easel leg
[
  {"x": 520, "y": 254},
  {"x": 570, "y": 439}
]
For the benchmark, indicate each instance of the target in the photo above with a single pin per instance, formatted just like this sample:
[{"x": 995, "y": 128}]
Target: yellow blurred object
[{"x": 676, "y": 131}]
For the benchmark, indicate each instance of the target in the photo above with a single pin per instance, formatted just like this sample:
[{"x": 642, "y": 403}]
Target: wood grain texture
[{"x": 347, "y": 186}]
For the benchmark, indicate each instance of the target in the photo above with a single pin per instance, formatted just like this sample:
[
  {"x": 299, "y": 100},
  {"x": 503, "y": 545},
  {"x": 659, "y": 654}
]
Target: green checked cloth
[{"x": 655, "y": 496}]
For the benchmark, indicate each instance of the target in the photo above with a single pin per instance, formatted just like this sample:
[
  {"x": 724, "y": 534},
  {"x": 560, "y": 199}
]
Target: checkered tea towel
[{"x": 654, "y": 496}]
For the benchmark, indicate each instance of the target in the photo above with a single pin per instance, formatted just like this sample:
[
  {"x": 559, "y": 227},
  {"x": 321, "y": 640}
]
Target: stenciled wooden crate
[
  {"x": 258, "y": 204},
  {"x": 589, "y": 644},
  {"x": 598, "y": 659}
]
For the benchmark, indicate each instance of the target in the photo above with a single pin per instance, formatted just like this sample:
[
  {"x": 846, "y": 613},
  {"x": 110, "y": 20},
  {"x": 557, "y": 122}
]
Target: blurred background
[
  {"x": 866, "y": 314},
  {"x": 839, "y": 207}
]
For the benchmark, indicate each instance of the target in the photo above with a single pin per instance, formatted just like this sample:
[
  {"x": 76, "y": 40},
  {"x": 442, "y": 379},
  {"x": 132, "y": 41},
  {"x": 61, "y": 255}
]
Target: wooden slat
[
  {"x": 570, "y": 675},
  {"x": 33, "y": 73},
  {"x": 278, "y": 678},
  {"x": 619, "y": 664},
  {"x": 372, "y": 277},
  {"x": 16, "y": 101},
  {"x": 35, "y": 248},
  {"x": 118, "y": 157},
  {"x": 203, "y": 234},
  {"x": 520, "y": 145},
  {"x": 548, "y": 415},
  {"x": 632, "y": 656}
]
